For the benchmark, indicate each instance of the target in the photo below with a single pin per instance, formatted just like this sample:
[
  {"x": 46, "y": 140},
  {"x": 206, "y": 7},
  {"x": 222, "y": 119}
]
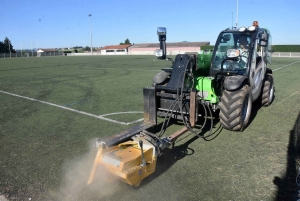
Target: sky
[{"x": 65, "y": 23}]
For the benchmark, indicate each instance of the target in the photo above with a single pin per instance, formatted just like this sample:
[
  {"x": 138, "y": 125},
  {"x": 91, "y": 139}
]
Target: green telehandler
[{"x": 221, "y": 84}]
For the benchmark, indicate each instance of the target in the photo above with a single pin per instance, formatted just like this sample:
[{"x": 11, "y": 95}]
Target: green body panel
[
  {"x": 202, "y": 82},
  {"x": 204, "y": 87},
  {"x": 204, "y": 61}
]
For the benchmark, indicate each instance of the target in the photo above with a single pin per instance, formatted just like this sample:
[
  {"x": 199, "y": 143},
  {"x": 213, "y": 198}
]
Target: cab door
[{"x": 257, "y": 68}]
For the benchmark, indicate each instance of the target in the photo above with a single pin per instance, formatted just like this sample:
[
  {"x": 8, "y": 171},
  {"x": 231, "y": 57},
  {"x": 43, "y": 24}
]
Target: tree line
[{"x": 6, "y": 46}]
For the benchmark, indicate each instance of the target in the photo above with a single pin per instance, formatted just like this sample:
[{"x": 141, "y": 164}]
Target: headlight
[
  {"x": 251, "y": 28},
  {"x": 242, "y": 29},
  {"x": 231, "y": 53}
]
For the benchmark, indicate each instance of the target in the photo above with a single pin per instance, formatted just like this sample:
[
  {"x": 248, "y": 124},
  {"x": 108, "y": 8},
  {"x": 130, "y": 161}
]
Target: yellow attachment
[
  {"x": 94, "y": 168},
  {"x": 125, "y": 162},
  {"x": 128, "y": 143}
]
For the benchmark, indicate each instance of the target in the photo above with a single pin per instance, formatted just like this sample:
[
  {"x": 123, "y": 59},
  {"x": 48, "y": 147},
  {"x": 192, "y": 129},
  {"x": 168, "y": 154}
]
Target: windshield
[{"x": 233, "y": 40}]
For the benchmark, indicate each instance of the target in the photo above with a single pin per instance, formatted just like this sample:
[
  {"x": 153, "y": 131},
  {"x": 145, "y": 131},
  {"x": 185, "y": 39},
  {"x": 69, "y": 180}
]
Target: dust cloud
[
  {"x": 2, "y": 198},
  {"x": 74, "y": 185}
]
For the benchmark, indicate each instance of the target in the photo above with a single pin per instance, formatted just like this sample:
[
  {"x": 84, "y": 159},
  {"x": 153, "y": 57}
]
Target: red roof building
[{"x": 115, "y": 49}]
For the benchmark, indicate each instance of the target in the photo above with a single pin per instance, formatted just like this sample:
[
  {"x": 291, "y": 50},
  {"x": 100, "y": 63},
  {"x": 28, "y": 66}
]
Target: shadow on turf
[
  {"x": 287, "y": 186},
  {"x": 171, "y": 155},
  {"x": 256, "y": 106}
]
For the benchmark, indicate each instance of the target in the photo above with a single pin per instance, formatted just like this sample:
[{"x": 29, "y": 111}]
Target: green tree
[
  {"x": 127, "y": 41},
  {"x": 7, "y": 45},
  {"x": 1, "y": 47},
  {"x": 87, "y": 48}
]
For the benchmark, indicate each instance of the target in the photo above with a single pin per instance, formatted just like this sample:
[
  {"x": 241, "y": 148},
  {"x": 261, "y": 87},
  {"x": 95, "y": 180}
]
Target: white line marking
[
  {"x": 73, "y": 110},
  {"x": 286, "y": 65},
  {"x": 131, "y": 112},
  {"x": 135, "y": 121},
  {"x": 287, "y": 97}
]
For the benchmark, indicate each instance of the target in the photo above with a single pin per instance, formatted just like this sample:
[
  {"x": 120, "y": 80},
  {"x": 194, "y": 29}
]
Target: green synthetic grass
[{"x": 46, "y": 152}]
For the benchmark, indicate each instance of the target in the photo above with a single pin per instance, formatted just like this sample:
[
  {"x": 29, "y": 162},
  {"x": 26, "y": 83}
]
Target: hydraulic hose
[
  {"x": 179, "y": 101},
  {"x": 163, "y": 128},
  {"x": 187, "y": 125},
  {"x": 155, "y": 137}
]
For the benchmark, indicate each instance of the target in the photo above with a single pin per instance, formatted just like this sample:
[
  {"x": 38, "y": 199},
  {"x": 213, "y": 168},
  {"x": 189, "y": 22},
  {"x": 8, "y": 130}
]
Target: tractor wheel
[
  {"x": 267, "y": 93},
  {"x": 235, "y": 108}
]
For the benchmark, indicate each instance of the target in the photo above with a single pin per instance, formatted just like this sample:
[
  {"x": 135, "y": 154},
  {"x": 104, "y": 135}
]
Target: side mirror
[
  {"x": 264, "y": 37},
  {"x": 263, "y": 41},
  {"x": 226, "y": 37}
]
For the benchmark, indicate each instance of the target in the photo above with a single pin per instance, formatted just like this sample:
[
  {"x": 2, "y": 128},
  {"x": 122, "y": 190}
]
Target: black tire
[
  {"x": 267, "y": 93},
  {"x": 235, "y": 108}
]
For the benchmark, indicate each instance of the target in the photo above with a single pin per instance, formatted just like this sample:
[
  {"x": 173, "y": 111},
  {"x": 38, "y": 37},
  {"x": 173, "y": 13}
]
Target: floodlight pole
[
  {"x": 31, "y": 49},
  {"x": 232, "y": 20},
  {"x": 21, "y": 48},
  {"x": 91, "y": 33},
  {"x": 237, "y": 13}
]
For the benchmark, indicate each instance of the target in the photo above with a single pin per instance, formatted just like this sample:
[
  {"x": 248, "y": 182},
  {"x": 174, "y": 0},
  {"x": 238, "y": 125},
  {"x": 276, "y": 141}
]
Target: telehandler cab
[{"x": 225, "y": 82}]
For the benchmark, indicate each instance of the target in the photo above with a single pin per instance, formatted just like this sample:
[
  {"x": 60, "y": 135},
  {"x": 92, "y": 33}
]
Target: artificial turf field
[{"x": 53, "y": 108}]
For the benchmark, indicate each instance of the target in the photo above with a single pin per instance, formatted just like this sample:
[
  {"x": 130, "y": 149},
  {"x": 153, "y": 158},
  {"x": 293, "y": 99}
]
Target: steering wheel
[{"x": 227, "y": 59}]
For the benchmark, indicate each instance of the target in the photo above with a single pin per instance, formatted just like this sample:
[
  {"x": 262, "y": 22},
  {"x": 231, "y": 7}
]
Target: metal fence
[
  {"x": 83, "y": 54},
  {"x": 31, "y": 54},
  {"x": 286, "y": 54},
  {"x": 51, "y": 54}
]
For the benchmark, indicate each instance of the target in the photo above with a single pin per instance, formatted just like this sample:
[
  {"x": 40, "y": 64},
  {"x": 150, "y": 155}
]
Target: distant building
[
  {"x": 146, "y": 49},
  {"x": 172, "y": 48},
  {"x": 115, "y": 49},
  {"x": 47, "y": 52}
]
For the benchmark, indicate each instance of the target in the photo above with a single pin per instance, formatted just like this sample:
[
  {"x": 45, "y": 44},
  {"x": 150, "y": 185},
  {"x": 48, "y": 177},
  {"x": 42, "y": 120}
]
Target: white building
[
  {"x": 115, "y": 49},
  {"x": 172, "y": 48}
]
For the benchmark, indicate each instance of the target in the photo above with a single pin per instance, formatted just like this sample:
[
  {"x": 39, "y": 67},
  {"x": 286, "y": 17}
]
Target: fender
[
  {"x": 269, "y": 71},
  {"x": 160, "y": 77},
  {"x": 234, "y": 82}
]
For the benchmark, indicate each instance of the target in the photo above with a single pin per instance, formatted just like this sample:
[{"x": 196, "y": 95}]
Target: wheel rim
[
  {"x": 245, "y": 110},
  {"x": 271, "y": 92}
]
